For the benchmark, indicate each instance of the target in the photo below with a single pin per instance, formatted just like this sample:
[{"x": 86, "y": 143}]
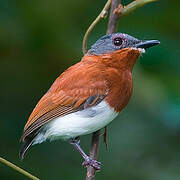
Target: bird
[{"x": 88, "y": 95}]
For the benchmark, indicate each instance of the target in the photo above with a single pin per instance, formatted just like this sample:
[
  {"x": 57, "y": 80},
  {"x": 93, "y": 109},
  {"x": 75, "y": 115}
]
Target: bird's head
[
  {"x": 119, "y": 49},
  {"x": 118, "y": 41}
]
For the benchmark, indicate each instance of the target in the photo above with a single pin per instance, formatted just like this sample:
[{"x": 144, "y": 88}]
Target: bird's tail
[{"x": 26, "y": 145}]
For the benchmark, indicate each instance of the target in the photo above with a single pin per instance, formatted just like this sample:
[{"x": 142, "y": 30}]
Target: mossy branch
[{"x": 16, "y": 168}]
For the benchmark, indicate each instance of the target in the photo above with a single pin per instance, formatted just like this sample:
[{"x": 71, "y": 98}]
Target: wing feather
[{"x": 79, "y": 87}]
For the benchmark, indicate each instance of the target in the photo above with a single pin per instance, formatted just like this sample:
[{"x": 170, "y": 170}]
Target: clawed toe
[
  {"x": 88, "y": 161},
  {"x": 91, "y": 162}
]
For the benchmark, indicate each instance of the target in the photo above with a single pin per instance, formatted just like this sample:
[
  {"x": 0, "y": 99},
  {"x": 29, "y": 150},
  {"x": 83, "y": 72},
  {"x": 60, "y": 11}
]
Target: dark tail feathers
[{"x": 26, "y": 145}]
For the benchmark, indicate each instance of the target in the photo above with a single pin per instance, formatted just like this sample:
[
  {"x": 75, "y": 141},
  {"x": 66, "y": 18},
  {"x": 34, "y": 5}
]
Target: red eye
[{"x": 117, "y": 41}]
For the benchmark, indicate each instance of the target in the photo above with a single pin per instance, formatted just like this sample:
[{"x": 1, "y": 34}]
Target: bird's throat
[{"x": 122, "y": 59}]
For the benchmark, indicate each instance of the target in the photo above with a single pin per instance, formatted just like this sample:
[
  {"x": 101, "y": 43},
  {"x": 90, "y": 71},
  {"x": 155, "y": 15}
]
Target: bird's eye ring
[{"x": 117, "y": 41}]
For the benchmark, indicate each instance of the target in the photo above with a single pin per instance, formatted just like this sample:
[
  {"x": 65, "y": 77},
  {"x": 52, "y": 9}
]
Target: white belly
[{"x": 77, "y": 123}]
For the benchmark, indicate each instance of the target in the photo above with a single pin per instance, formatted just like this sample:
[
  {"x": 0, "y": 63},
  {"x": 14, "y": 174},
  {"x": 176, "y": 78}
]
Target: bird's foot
[{"x": 91, "y": 162}]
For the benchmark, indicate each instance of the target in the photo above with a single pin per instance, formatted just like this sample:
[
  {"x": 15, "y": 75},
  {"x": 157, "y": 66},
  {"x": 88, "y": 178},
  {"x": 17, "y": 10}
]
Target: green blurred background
[{"x": 39, "y": 39}]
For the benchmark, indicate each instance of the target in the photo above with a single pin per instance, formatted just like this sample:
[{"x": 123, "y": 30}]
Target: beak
[{"x": 147, "y": 44}]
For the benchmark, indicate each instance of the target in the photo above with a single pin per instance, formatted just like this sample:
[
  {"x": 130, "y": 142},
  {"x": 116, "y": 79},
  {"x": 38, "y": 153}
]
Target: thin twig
[
  {"x": 13, "y": 166},
  {"x": 103, "y": 14},
  {"x": 134, "y": 5},
  {"x": 93, "y": 154}
]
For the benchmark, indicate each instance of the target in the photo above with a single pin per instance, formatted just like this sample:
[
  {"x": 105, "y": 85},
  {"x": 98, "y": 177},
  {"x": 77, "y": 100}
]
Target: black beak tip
[{"x": 147, "y": 44}]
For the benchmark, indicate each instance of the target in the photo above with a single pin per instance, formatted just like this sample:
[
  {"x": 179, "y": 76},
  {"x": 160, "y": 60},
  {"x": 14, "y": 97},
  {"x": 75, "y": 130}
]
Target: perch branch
[
  {"x": 13, "y": 166},
  {"x": 117, "y": 11},
  {"x": 90, "y": 175},
  {"x": 93, "y": 154}
]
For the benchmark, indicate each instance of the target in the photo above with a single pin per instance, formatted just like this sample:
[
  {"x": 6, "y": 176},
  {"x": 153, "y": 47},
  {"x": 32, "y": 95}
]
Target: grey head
[{"x": 116, "y": 41}]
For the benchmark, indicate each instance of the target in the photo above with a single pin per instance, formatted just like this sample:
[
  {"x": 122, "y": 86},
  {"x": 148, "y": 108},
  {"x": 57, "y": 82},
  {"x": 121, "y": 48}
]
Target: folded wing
[{"x": 79, "y": 87}]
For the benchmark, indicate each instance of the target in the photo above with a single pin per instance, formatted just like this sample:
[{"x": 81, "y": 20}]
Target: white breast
[{"x": 77, "y": 123}]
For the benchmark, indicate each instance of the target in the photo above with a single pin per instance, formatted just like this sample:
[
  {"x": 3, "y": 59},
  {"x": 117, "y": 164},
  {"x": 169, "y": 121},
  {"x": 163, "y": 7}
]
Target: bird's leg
[{"x": 88, "y": 161}]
